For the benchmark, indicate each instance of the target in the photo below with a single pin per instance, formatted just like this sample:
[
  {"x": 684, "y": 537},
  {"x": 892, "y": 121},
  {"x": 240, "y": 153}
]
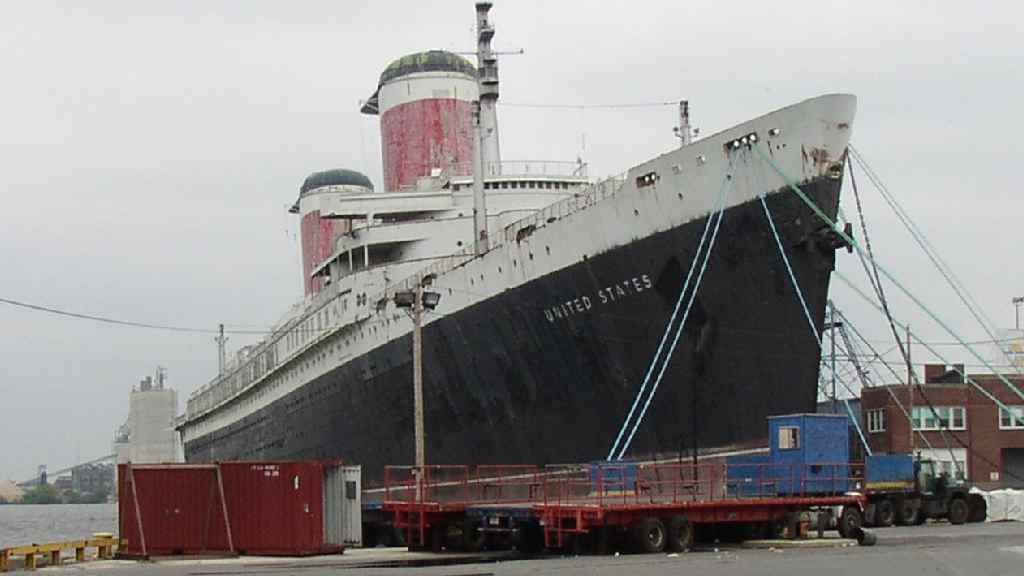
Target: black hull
[{"x": 539, "y": 374}]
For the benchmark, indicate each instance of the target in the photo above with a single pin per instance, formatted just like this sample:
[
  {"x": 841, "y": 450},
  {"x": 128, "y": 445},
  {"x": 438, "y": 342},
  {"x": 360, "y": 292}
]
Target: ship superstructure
[{"x": 539, "y": 342}]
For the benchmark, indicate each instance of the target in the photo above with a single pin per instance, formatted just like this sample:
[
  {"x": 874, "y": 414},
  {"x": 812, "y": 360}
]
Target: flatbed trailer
[{"x": 647, "y": 507}]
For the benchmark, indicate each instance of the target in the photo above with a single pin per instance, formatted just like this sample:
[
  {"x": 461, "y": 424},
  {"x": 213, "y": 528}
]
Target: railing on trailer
[
  {"x": 616, "y": 494},
  {"x": 436, "y": 495},
  {"x": 572, "y": 499}
]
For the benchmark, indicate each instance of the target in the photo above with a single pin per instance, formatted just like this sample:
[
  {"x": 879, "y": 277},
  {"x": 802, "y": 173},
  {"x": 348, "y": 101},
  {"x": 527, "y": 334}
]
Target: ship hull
[{"x": 546, "y": 372}]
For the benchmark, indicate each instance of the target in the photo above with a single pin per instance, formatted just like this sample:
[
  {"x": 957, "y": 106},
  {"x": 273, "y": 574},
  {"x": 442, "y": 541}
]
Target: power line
[{"x": 118, "y": 322}]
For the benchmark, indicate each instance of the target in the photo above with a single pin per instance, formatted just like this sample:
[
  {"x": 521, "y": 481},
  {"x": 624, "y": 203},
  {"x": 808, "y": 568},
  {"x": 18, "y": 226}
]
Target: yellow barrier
[{"x": 103, "y": 544}]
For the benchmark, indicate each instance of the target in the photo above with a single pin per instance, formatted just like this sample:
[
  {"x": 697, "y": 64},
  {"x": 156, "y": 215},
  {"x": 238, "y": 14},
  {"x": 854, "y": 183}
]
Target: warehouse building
[{"x": 954, "y": 423}]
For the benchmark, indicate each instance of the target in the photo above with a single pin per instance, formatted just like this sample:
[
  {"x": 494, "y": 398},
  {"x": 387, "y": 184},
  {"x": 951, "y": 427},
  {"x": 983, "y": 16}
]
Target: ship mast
[
  {"x": 684, "y": 132},
  {"x": 486, "y": 154}
]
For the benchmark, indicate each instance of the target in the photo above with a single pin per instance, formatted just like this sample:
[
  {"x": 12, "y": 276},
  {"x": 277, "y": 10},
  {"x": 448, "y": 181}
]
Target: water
[{"x": 28, "y": 524}]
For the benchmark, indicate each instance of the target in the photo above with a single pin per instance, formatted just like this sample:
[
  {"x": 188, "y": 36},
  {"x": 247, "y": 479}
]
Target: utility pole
[
  {"x": 910, "y": 387},
  {"x": 221, "y": 341},
  {"x": 832, "y": 336},
  {"x": 416, "y": 301},
  {"x": 417, "y": 374}
]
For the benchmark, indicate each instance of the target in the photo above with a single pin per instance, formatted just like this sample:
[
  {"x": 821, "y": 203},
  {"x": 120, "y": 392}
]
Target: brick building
[{"x": 986, "y": 442}]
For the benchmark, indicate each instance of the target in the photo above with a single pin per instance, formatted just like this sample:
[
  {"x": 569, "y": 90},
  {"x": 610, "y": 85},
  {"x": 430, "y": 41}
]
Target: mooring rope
[
  {"x": 852, "y": 242},
  {"x": 686, "y": 313},
  {"x": 719, "y": 206}
]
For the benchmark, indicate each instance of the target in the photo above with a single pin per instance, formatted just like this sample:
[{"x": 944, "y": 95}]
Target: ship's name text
[{"x": 607, "y": 295}]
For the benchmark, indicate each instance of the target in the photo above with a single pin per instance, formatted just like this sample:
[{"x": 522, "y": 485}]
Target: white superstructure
[{"x": 538, "y": 223}]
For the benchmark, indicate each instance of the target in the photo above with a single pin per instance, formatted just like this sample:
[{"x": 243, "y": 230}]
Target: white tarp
[{"x": 1003, "y": 504}]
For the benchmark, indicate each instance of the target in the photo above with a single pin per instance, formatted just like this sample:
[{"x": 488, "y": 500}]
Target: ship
[{"x": 551, "y": 291}]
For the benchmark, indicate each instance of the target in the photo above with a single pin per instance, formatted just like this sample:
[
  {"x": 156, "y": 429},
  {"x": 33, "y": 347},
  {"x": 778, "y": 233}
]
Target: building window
[
  {"x": 942, "y": 418},
  {"x": 789, "y": 438},
  {"x": 1012, "y": 419},
  {"x": 876, "y": 420}
]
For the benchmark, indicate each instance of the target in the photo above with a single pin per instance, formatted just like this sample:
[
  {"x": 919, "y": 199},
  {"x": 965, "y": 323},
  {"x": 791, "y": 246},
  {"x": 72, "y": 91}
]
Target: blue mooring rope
[
  {"x": 686, "y": 313},
  {"x": 720, "y": 204}
]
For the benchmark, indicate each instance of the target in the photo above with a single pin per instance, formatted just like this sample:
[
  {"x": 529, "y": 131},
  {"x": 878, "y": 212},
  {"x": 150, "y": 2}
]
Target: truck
[{"x": 907, "y": 490}]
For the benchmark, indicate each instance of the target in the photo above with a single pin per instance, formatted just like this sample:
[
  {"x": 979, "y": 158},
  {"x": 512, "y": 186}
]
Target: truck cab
[{"x": 905, "y": 489}]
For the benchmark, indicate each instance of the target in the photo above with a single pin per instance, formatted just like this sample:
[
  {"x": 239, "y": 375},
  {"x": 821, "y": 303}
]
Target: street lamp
[{"x": 415, "y": 301}]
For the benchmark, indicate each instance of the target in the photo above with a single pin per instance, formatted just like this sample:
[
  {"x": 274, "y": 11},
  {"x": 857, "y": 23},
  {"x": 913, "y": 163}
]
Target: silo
[
  {"x": 425, "y": 103},
  {"x": 319, "y": 234},
  {"x": 152, "y": 438}
]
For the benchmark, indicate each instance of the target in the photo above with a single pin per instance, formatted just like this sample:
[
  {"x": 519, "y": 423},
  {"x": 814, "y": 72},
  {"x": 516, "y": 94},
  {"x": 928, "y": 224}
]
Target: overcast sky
[{"x": 148, "y": 151}]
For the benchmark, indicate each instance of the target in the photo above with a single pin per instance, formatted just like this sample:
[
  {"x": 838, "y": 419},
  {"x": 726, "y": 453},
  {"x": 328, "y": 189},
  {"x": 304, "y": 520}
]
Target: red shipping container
[
  {"x": 269, "y": 508},
  {"x": 166, "y": 510},
  {"x": 276, "y": 508}
]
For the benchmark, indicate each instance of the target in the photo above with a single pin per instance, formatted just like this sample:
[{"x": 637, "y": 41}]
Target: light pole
[
  {"x": 415, "y": 301},
  {"x": 1017, "y": 301}
]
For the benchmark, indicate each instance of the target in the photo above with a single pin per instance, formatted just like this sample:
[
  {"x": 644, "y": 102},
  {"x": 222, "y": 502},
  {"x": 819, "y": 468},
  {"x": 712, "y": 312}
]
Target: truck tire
[
  {"x": 680, "y": 534},
  {"x": 438, "y": 537},
  {"x": 649, "y": 535},
  {"x": 907, "y": 512},
  {"x": 850, "y": 522},
  {"x": 396, "y": 536},
  {"x": 979, "y": 508},
  {"x": 369, "y": 535},
  {"x": 958, "y": 511},
  {"x": 473, "y": 538},
  {"x": 885, "y": 512}
]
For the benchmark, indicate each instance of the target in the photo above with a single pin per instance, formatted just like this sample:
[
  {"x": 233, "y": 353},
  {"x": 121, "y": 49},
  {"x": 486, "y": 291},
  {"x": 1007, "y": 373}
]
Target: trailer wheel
[
  {"x": 396, "y": 536},
  {"x": 979, "y": 508},
  {"x": 473, "y": 538},
  {"x": 884, "y": 513},
  {"x": 369, "y": 535},
  {"x": 680, "y": 534},
  {"x": 649, "y": 535},
  {"x": 850, "y": 522},
  {"x": 530, "y": 539},
  {"x": 907, "y": 514},
  {"x": 438, "y": 538},
  {"x": 958, "y": 511}
]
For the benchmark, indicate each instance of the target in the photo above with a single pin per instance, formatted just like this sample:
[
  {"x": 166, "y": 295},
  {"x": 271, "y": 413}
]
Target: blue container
[
  {"x": 749, "y": 476},
  {"x": 613, "y": 476},
  {"x": 888, "y": 472},
  {"x": 810, "y": 453}
]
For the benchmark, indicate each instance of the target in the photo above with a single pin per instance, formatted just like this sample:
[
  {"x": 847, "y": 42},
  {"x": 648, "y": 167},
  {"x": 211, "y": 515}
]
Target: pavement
[{"x": 934, "y": 549}]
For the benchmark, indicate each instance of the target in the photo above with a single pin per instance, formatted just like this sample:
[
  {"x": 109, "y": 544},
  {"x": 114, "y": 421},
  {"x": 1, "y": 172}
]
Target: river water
[{"x": 28, "y": 524}]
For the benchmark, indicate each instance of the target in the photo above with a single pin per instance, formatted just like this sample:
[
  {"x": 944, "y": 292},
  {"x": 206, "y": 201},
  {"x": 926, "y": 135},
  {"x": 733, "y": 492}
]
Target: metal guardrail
[
  {"x": 528, "y": 168},
  {"x": 611, "y": 484}
]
